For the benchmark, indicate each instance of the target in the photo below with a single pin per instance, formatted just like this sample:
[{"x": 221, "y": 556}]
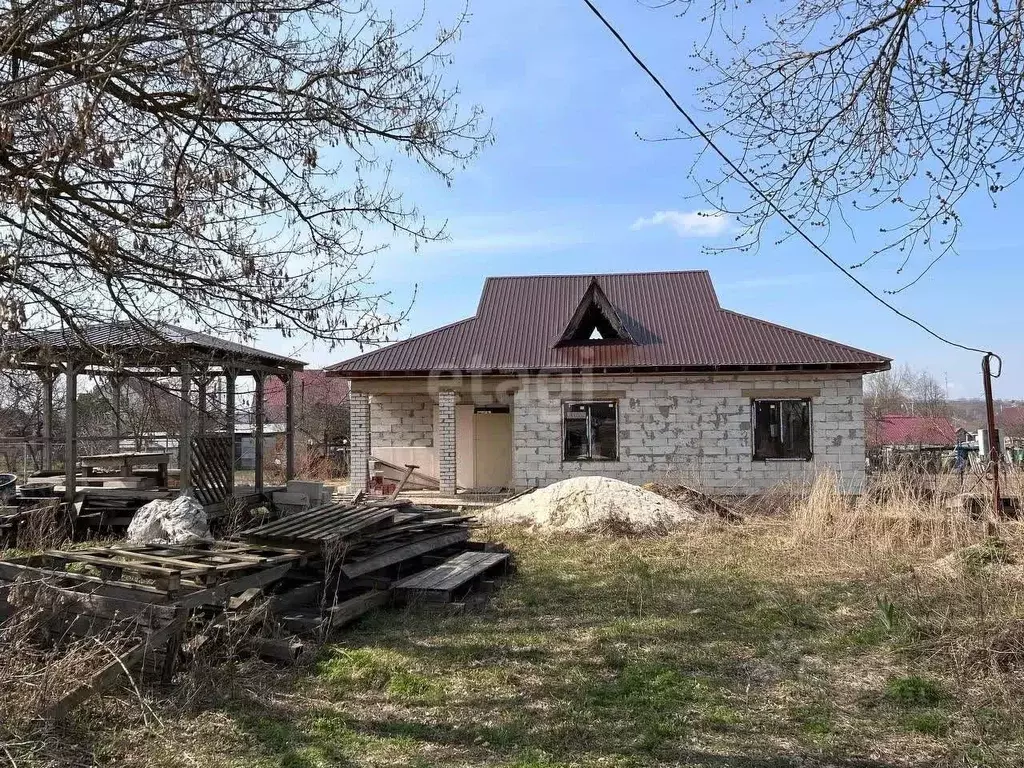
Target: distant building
[
  {"x": 911, "y": 432},
  {"x": 926, "y": 442}
]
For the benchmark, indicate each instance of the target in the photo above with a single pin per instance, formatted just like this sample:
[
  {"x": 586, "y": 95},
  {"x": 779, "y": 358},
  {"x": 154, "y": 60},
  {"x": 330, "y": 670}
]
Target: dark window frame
[
  {"x": 756, "y": 454},
  {"x": 566, "y": 405}
]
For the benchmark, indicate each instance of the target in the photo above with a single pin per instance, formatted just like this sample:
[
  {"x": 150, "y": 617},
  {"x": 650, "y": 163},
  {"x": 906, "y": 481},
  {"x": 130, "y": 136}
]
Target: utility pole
[{"x": 993, "y": 434}]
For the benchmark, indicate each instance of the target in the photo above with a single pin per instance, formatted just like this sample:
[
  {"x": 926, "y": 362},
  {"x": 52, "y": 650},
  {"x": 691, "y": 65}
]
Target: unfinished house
[{"x": 641, "y": 377}]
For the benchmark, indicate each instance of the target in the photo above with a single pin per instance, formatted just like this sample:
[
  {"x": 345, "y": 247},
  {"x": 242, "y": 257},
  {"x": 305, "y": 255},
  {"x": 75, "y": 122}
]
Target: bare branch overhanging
[
  {"x": 221, "y": 164},
  {"x": 900, "y": 111}
]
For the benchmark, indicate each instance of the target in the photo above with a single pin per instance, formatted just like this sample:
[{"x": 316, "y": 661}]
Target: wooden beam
[
  {"x": 70, "y": 431},
  {"x": 202, "y": 382},
  {"x": 47, "y": 376},
  {"x": 257, "y": 434},
  {"x": 116, "y": 383},
  {"x": 289, "y": 418},
  {"x": 110, "y": 673},
  {"x": 185, "y": 433},
  {"x": 230, "y": 376}
]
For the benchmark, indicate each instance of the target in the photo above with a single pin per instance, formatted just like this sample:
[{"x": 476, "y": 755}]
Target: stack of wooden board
[
  {"x": 416, "y": 551},
  {"x": 144, "y": 595},
  {"x": 384, "y": 538},
  {"x": 307, "y": 572}
]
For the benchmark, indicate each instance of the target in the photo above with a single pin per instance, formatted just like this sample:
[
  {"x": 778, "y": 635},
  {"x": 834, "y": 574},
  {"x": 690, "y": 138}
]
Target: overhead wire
[{"x": 775, "y": 208}]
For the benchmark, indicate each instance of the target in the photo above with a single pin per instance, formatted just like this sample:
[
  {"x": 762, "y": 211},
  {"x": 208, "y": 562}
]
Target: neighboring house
[
  {"x": 635, "y": 376},
  {"x": 904, "y": 432},
  {"x": 245, "y": 443}
]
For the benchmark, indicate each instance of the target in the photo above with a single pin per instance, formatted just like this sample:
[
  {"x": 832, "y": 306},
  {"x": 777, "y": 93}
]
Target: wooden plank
[
  {"x": 171, "y": 578},
  {"x": 352, "y": 609},
  {"x": 398, "y": 554},
  {"x": 452, "y": 573},
  {"x": 115, "y": 459},
  {"x": 484, "y": 561},
  {"x": 113, "y": 608},
  {"x": 85, "y": 556},
  {"x": 182, "y": 563},
  {"x": 109, "y": 674},
  {"x": 453, "y": 566},
  {"x": 12, "y": 571},
  {"x": 219, "y": 594},
  {"x": 305, "y": 594}
]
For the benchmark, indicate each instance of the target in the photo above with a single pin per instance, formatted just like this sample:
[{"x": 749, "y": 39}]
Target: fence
[{"x": 24, "y": 457}]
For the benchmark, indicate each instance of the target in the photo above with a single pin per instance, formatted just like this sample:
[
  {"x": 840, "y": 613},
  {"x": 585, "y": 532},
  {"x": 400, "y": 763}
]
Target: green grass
[
  {"x": 914, "y": 691},
  {"x": 712, "y": 650}
]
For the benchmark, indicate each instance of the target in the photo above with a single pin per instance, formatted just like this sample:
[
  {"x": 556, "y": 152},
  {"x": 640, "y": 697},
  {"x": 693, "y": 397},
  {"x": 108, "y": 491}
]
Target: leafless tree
[
  {"x": 21, "y": 425},
  {"x": 904, "y": 390},
  {"x": 842, "y": 107},
  {"x": 223, "y": 162}
]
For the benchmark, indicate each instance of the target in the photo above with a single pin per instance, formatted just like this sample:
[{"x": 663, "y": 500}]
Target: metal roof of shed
[
  {"x": 673, "y": 319},
  {"x": 137, "y": 344}
]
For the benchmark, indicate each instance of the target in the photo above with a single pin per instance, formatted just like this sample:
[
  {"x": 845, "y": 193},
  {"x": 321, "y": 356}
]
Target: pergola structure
[{"x": 122, "y": 350}]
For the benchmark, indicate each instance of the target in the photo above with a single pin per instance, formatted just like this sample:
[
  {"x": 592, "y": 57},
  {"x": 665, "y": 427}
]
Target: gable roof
[
  {"x": 673, "y": 318},
  {"x": 899, "y": 429},
  {"x": 595, "y": 313}
]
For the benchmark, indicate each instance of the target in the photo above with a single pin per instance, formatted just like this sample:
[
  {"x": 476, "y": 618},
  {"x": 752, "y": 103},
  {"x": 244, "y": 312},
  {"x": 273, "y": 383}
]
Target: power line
[{"x": 771, "y": 204}]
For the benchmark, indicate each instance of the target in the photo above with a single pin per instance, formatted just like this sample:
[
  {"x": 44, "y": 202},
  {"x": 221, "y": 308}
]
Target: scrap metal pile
[{"x": 302, "y": 574}]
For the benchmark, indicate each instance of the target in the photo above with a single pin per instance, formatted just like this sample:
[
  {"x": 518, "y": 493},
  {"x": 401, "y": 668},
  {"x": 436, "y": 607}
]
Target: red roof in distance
[
  {"x": 899, "y": 429},
  {"x": 673, "y": 321}
]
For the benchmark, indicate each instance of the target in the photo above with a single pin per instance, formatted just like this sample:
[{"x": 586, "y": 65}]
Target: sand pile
[{"x": 592, "y": 503}]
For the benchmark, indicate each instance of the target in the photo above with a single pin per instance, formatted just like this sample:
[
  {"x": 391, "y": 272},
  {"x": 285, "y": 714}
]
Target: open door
[{"x": 492, "y": 448}]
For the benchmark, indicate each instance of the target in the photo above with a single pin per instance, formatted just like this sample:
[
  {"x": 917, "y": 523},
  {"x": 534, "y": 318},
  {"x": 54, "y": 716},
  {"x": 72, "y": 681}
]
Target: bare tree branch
[
  {"x": 899, "y": 110},
  {"x": 221, "y": 163}
]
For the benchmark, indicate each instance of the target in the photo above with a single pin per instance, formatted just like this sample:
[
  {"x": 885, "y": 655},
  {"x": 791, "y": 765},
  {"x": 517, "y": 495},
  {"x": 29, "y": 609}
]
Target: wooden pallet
[
  {"x": 189, "y": 576},
  {"x": 442, "y": 582},
  {"x": 326, "y": 524}
]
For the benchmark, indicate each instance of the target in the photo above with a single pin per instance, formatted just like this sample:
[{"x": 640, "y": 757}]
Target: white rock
[{"x": 178, "y": 521}]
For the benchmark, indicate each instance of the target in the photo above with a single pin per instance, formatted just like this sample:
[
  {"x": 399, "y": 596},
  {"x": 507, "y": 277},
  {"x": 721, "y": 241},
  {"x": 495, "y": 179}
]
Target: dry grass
[{"x": 878, "y": 633}]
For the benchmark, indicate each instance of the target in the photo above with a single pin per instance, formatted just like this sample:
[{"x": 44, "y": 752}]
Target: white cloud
[{"x": 688, "y": 223}]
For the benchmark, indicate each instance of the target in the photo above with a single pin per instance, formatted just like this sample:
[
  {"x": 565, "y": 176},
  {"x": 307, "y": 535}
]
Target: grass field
[{"x": 779, "y": 642}]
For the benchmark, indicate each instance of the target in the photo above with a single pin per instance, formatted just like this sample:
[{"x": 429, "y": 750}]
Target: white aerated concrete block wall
[
  {"x": 690, "y": 429},
  {"x": 402, "y": 421}
]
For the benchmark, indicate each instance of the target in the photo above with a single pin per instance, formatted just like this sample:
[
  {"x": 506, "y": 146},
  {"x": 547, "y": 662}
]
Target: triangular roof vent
[{"x": 594, "y": 321}]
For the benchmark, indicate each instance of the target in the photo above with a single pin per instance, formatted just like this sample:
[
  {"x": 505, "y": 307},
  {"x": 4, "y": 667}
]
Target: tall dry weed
[{"x": 901, "y": 520}]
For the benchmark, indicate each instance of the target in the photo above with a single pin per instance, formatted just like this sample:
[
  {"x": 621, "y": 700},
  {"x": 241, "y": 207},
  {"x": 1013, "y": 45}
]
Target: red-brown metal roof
[
  {"x": 899, "y": 429},
  {"x": 674, "y": 318}
]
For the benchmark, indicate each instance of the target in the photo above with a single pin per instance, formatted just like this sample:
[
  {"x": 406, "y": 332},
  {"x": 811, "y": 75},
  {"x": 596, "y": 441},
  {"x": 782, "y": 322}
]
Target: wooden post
[
  {"x": 202, "y": 381},
  {"x": 185, "y": 433},
  {"x": 71, "y": 431},
  {"x": 257, "y": 433},
  {"x": 289, "y": 418},
  {"x": 229, "y": 415},
  {"x": 115, "y": 405},
  {"x": 47, "y": 379}
]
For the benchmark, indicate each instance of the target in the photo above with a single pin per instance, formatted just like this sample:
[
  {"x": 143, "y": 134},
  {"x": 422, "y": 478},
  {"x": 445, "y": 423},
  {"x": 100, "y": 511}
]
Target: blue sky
[{"x": 567, "y": 187}]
